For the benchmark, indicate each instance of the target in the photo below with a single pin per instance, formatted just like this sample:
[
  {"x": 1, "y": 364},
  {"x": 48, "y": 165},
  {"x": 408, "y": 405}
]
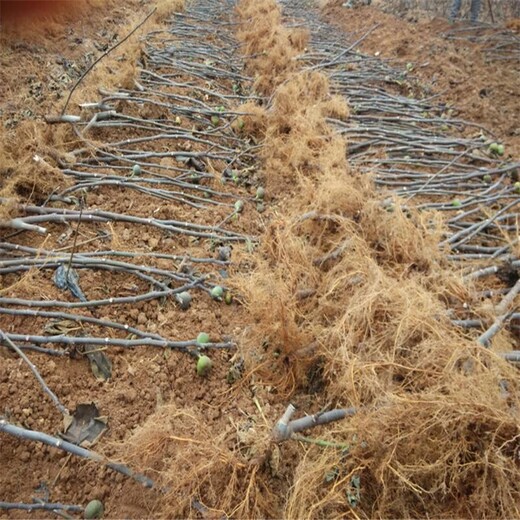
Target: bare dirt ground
[
  {"x": 439, "y": 435},
  {"x": 476, "y": 84},
  {"x": 42, "y": 60}
]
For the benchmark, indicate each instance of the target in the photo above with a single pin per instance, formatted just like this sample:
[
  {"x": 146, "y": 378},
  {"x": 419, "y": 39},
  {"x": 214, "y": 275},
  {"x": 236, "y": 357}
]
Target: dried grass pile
[
  {"x": 28, "y": 165},
  {"x": 201, "y": 471},
  {"x": 349, "y": 303},
  {"x": 358, "y": 291},
  {"x": 29, "y": 154},
  {"x": 271, "y": 46},
  {"x": 165, "y": 8}
]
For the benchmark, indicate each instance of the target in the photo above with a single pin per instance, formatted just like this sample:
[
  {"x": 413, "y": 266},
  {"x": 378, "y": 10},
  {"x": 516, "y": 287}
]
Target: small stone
[
  {"x": 25, "y": 456},
  {"x": 214, "y": 414},
  {"x": 131, "y": 395},
  {"x": 142, "y": 319},
  {"x": 224, "y": 253}
]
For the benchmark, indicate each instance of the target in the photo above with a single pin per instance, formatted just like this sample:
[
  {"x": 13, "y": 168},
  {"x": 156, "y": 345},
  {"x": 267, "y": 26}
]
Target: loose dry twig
[
  {"x": 34, "y": 370},
  {"x": 503, "y": 313},
  {"x": 43, "y": 506},
  {"x": 285, "y": 428},
  {"x": 32, "y": 435}
]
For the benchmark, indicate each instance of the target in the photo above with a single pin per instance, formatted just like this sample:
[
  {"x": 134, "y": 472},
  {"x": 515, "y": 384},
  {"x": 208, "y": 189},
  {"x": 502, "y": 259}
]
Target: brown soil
[
  {"x": 41, "y": 58},
  {"x": 314, "y": 326},
  {"x": 475, "y": 87},
  {"x": 40, "y": 61}
]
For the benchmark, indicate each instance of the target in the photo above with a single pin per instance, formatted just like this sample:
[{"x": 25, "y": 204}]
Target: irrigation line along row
[
  {"x": 80, "y": 319},
  {"x": 43, "y": 259},
  {"x": 192, "y": 346},
  {"x": 43, "y": 506},
  {"x": 8, "y": 247},
  {"x": 150, "y": 295},
  {"x": 48, "y": 215}
]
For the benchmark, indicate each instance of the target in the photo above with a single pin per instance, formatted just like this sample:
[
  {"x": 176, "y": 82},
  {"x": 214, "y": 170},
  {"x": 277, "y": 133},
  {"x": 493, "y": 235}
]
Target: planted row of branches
[
  {"x": 421, "y": 155},
  {"x": 497, "y": 43},
  {"x": 192, "y": 83},
  {"x": 171, "y": 141}
]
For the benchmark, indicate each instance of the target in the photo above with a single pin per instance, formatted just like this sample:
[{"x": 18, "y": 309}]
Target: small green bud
[
  {"x": 183, "y": 299},
  {"x": 217, "y": 292},
  {"x": 204, "y": 365},
  {"x": 94, "y": 509},
  {"x": 493, "y": 147},
  {"x": 203, "y": 338}
]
